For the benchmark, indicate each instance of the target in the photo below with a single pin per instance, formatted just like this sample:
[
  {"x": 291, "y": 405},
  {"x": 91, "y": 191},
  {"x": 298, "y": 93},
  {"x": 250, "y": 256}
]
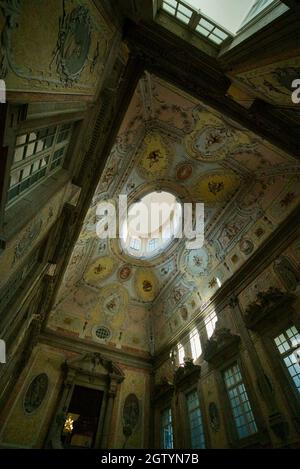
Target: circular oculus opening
[{"x": 151, "y": 225}]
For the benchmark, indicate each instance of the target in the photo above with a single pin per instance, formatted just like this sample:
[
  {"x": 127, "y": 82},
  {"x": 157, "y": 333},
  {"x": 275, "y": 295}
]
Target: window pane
[
  {"x": 36, "y": 165},
  {"x": 210, "y": 324},
  {"x": 220, "y": 34},
  {"x": 195, "y": 344},
  {"x": 169, "y": 9},
  {"x": 166, "y": 429},
  {"x": 14, "y": 178},
  {"x": 239, "y": 402},
  {"x": 215, "y": 39},
  {"x": 202, "y": 31},
  {"x": 135, "y": 244},
  {"x": 44, "y": 161},
  {"x": 173, "y": 3},
  {"x": 152, "y": 243},
  {"x": 19, "y": 152},
  {"x": 21, "y": 139},
  {"x": 180, "y": 354},
  {"x": 13, "y": 192},
  {"x": 38, "y": 145},
  {"x": 195, "y": 420},
  {"x": 206, "y": 24},
  {"x": 32, "y": 136},
  {"x": 30, "y": 149},
  {"x": 182, "y": 18},
  {"x": 184, "y": 10},
  {"x": 48, "y": 142},
  {"x": 26, "y": 171},
  {"x": 288, "y": 345}
]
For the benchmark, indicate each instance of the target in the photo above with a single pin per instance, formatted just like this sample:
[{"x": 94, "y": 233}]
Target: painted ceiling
[{"x": 248, "y": 187}]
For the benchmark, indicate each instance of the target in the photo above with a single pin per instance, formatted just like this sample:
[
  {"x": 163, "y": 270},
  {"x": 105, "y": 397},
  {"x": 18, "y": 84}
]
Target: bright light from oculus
[{"x": 151, "y": 224}]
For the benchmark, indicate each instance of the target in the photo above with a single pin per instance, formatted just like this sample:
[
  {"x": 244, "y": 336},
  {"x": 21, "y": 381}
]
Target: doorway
[{"x": 82, "y": 420}]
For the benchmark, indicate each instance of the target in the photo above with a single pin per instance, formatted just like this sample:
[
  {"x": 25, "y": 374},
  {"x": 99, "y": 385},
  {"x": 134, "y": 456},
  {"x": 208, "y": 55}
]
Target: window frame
[
  {"x": 45, "y": 154},
  {"x": 192, "y": 22},
  {"x": 282, "y": 356},
  {"x": 189, "y": 383},
  {"x": 208, "y": 319},
  {"x": 180, "y": 346},
  {"x": 152, "y": 244},
  {"x": 280, "y": 371},
  {"x": 195, "y": 332},
  {"x": 234, "y": 386},
  {"x": 194, "y": 388},
  {"x": 135, "y": 244},
  {"x": 16, "y": 123},
  {"x": 251, "y": 441},
  {"x": 161, "y": 427}
]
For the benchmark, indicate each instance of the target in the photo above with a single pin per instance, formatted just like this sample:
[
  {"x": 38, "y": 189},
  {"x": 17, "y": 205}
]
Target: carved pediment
[
  {"x": 187, "y": 373},
  {"x": 221, "y": 345},
  {"x": 267, "y": 306},
  {"x": 163, "y": 389},
  {"x": 94, "y": 364}
]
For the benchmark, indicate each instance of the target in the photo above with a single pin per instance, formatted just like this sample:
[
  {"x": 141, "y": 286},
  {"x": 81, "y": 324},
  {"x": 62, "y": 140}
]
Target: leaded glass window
[
  {"x": 37, "y": 154},
  {"x": 240, "y": 405},
  {"x": 288, "y": 345},
  {"x": 166, "y": 429},
  {"x": 195, "y": 421}
]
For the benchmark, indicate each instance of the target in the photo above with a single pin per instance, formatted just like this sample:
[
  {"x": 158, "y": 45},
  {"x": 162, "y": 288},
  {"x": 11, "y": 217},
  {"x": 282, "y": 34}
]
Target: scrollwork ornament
[{"x": 73, "y": 44}]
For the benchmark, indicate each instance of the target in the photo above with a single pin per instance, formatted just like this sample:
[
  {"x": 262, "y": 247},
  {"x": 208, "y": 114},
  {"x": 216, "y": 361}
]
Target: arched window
[
  {"x": 181, "y": 354},
  {"x": 195, "y": 344},
  {"x": 210, "y": 323}
]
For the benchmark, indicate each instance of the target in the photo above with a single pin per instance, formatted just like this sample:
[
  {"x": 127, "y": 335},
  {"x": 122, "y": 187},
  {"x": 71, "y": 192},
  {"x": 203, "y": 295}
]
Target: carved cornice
[
  {"x": 267, "y": 306},
  {"x": 95, "y": 364},
  {"x": 222, "y": 345},
  {"x": 163, "y": 390},
  {"x": 74, "y": 344},
  {"x": 187, "y": 374}
]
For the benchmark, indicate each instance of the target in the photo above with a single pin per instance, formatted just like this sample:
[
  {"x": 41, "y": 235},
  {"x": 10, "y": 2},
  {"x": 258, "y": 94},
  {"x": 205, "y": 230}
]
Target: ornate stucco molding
[
  {"x": 187, "y": 374},
  {"x": 221, "y": 345},
  {"x": 268, "y": 305}
]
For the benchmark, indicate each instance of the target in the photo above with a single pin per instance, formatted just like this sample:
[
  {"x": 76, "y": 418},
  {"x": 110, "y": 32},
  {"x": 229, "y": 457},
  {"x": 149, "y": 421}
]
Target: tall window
[
  {"x": 37, "y": 154},
  {"x": 239, "y": 401},
  {"x": 195, "y": 420},
  {"x": 166, "y": 429},
  {"x": 288, "y": 345},
  {"x": 210, "y": 324},
  {"x": 181, "y": 354},
  {"x": 195, "y": 344}
]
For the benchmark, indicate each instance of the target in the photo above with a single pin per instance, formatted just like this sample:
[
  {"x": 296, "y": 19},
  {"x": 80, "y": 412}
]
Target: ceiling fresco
[
  {"x": 271, "y": 82},
  {"x": 170, "y": 141}
]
